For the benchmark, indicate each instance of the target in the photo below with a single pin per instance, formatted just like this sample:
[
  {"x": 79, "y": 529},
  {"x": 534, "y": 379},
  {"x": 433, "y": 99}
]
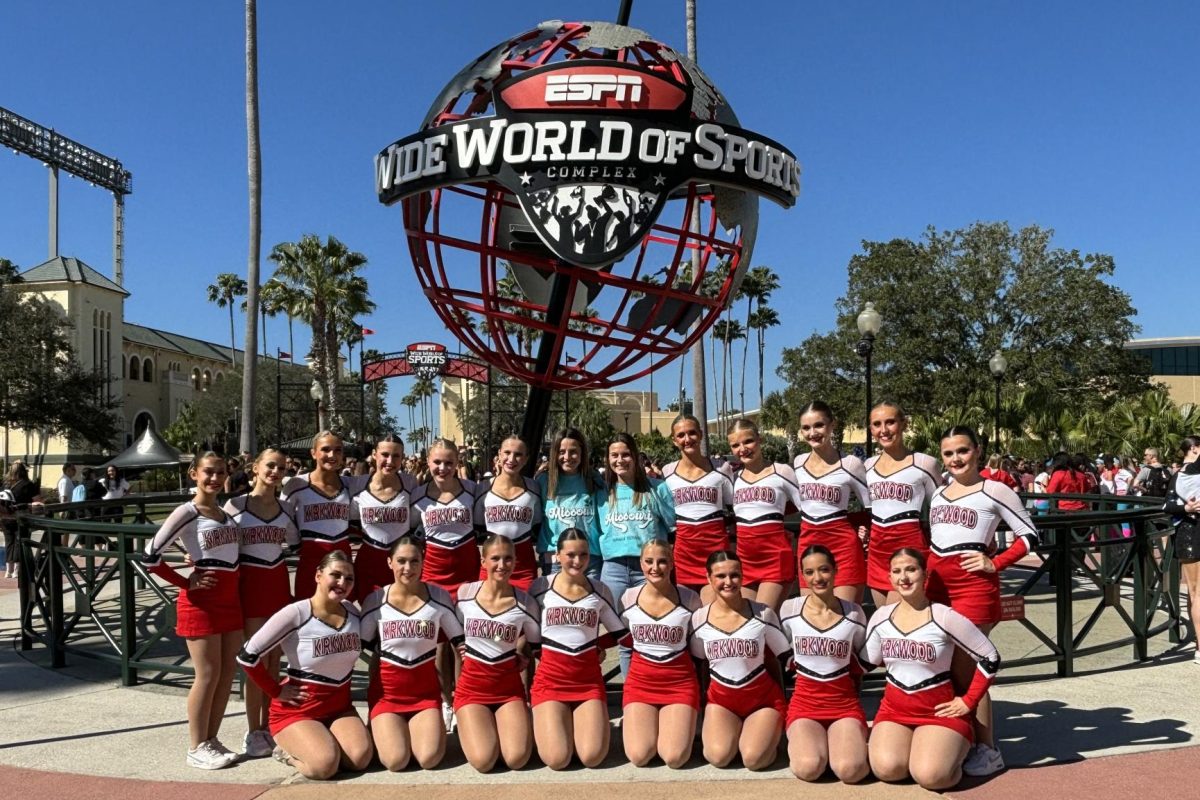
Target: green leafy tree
[
  {"x": 43, "y": 388},
  {"x": 950, "y": 300},
  {"x": 763, "y": 317},
  {"x": 324, "y": 276},
  {"x": 227, "y": 287}
]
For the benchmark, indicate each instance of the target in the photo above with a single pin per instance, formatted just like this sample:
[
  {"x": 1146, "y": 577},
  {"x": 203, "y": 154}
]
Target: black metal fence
[{"x": 85, "y": 592}]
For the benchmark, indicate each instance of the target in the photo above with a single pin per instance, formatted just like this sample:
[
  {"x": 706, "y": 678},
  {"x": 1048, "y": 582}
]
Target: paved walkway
[{"x": 1107, "y": 732}]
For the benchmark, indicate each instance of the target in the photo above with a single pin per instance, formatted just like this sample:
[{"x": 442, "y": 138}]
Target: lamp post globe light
[
  {"x": 869, "y": 322},
  {"x": 317, "y": 393},
  {"x": 998, "y": 365}
]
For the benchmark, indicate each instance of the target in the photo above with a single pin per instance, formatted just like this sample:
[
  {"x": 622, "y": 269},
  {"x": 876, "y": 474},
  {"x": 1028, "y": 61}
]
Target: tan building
[
  {"x": 154, "y": 372},
  {"x": 1175, "y": 363}
]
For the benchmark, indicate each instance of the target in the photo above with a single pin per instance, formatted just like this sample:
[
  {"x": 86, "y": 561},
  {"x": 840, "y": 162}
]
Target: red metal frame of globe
[{"x": 610, "y": 351}]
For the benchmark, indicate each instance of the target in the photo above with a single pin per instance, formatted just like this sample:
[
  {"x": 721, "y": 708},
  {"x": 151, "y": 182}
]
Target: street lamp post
[
  {"x": 869, "y": 323},
  {"x": 627, "y": 421},
  {"x": 998, "y": 364},
  {"x": 317, "y": 393}
]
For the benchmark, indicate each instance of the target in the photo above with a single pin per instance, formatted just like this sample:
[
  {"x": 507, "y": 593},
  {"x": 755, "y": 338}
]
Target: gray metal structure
[{"x": 58, "y": 152}]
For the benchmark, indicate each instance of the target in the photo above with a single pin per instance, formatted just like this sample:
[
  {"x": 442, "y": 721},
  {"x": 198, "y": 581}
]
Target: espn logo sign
[{"x": 579, "y": 88}]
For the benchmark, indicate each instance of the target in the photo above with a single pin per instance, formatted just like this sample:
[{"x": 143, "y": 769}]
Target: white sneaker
[
  {"x": 1196, "y": 657},
  {"x": 449, "y": 717},
  {"x": 257, "y": 744},
  {"x": 205, "y": 756},
  {"x": 280, "y": 755},
  {"x": 983, "y": 760}
]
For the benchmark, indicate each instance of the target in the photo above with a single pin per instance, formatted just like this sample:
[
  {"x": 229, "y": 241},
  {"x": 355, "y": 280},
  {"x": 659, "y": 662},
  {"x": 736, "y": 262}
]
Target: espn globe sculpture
[{"x": 548, "y": 202}]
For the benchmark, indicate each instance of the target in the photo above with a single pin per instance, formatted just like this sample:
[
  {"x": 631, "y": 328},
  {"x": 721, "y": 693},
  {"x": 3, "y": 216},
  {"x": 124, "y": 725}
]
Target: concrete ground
[{"x": 1108, "y": 731}]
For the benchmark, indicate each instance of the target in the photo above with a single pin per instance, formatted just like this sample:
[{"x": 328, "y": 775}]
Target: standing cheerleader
[
  {"x": 266, "y": 528},
  {"x": 901, "y": 482},
  {"x": 825, "y": 722},
  {"x": 498, "y": 621},
  {"x": 569, "y": 486},
  {"x": 570, "y": 703},
  {"x": 442, "y": 509},
  {"x": 963, "y": 565},
  {"x": 661, "y": 697},
  {"x": 702, "y": 492},
  {"x": 762, "y": 493},
  {"x": 321, "y": 500},
  {"x": 922, "y": 729},
  {"x": 382, "y": 510},
  {"x": 633, "y": 510},
  {"x": 826, "y": 480},
  {"x": 312, "y": 717},
  {"x": 405, "y": 621},
  {"x": 742, "y": 642},
  {"x": 1183, "y": 504},
  {"x": 511, "y": 505},
  {"x": 208, "y": 609}
]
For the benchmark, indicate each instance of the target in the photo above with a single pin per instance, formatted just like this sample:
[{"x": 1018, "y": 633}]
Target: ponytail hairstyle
[
  {"x": 820, "y": 407},
  {"x": 961, "y": 430},
  {"x": 258, "y": 459},
  {"x": 718, "y": 557},
  {"x": 407, "y": 539},
  {"x": 660, "y": 543},
  {"x": 444, "y": 444},
  {"x": 197, "y": 460},
  {"x": 912, "y": 553},
  {"x": 570, "y": 535},
  {"x": 743, "y": 424},
  {"x": 389, "y": 438},
  {"x": 322, "y": 435},
  {"x": 819, "y": 550},
  {"x": 688, "y": 418},
  {"x": 494, "y": 540},
  {"x": 640, "y": 483},
  {"x": 335, "y": 556},
  {"x": 1189, "y": 442},
  {"x": 590, "y": 484}
]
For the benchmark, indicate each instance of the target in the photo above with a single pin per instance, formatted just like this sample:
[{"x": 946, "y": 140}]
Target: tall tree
[
  {"x": 756, "y": 288},
  {"x": 227, "y": 287},
  {"x": 763, "y": 317},
  {"x": 727, "y": 331},
  {"x": 324, "y": 277},
  {"x": 951, "y": 299},
  {"x": 279, "y": 298},
  {"x": 254, "y": 186}
]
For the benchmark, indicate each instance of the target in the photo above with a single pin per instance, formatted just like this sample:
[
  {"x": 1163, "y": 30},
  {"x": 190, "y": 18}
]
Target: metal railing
[{"x": 1117, "y": 558}]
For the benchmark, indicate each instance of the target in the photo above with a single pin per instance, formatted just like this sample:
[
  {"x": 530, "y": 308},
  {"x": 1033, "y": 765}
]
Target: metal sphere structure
[{"x": 483, "y": 261}]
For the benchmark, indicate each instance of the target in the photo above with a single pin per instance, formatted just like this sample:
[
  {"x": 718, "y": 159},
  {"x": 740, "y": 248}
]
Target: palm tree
[
  {"x": 409, "y": 401},
  {"x": 423, "y": 391},
  {"x": 763, "y": 317},
  {"x": 324, "y": 277},
  {"x": 278, "y": 298},
  {"x": 227, "y": 287},
  {"x": 756, "y": 288},
  {"x": 727, "y": 331},
  {"x": 254, "y": 177}
]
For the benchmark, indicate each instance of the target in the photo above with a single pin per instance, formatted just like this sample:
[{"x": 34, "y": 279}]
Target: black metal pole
[
  {"x": 867, "y": 439},
  {"x": 996, "y": 430},
  {"x": 278, "y": 400},
  {"x": 362, "y": 397}
]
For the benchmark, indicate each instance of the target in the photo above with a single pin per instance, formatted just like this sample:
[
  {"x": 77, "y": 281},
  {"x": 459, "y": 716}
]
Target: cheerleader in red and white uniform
[
  {"x": 209, "y": 608},
  {"x": 826, "y": 479},
  {"x": 702, "y": 491},
  {"x": 267, "y": 530},
  {"x": 570, "y": 703},
  {"x": 382, "y": 510},
  {"x": 510, "y": 504},
  {"x": 321, "y": 501},
  {"x": 964, "y": 566},
  {"x": 443, "y": 511},
  {"x": 312, "y": 717},
  {"x": 825, "y": 722},
  {"x": 901, "y": 482},
  {"x": 404, "y": 622},
  {"x": 499, "y": 622},
  {"x": 762, "y": 496},
  {"x": 661, "y": 696},
  {"x": 922, "y": 728},
  {"x": 742, "y": 642}
]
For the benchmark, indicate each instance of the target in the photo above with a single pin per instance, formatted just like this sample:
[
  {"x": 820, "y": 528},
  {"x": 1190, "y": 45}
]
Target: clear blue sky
[{"x": 1079, "y": 116}]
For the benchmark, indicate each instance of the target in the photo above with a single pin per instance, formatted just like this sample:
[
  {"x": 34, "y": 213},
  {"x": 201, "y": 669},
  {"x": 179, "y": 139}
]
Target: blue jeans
[{"x": 619, "y": 574}]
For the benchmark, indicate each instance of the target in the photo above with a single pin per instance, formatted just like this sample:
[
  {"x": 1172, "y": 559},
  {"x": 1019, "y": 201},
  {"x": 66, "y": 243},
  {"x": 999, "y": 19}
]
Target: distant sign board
[
  {"x": 426, "y": 359},
  {"x": 1012, "y": 606}
]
